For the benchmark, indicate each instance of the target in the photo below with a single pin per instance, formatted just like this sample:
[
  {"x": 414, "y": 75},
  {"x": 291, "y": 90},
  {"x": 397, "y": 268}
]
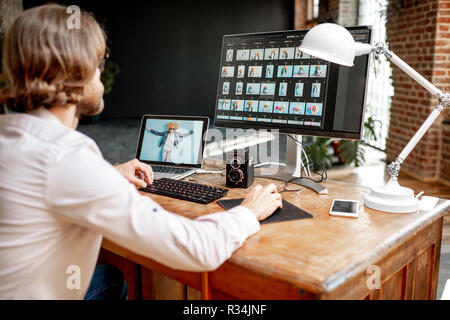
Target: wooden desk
[{"x": 321, "y": 258}]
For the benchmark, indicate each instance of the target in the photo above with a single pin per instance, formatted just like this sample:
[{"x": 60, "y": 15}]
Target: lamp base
[{"x": 392, "y": 198}]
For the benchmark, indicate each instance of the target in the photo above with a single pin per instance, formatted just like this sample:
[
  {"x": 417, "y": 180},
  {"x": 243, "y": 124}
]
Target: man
[{"x": 58, "y": 196}]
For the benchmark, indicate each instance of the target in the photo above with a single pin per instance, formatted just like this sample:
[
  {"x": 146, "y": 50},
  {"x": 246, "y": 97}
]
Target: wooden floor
[{"x": 374, "y": 174}]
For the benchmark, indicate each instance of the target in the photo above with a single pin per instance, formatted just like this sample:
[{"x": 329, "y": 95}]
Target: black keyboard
[
  {"x": 184, "y": 190},
  {"x": 167, "y": 169}
]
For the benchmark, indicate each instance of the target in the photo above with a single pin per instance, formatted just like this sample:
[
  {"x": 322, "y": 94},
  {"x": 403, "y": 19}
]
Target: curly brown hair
[{"x": 47, "y": 64}]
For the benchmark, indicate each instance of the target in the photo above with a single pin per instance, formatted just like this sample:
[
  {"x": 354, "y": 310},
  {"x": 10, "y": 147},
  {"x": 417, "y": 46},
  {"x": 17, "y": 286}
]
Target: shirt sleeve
[{"x": 84, "y": 189}]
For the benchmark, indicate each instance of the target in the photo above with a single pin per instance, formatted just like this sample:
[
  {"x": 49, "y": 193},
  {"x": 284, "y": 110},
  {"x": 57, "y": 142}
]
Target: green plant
[
  {"x": 320, "y": 151},
  {"x": 372, "y": 129},
  {"x": 349, "y": 151},
  {"x": 109, "y": 75}
]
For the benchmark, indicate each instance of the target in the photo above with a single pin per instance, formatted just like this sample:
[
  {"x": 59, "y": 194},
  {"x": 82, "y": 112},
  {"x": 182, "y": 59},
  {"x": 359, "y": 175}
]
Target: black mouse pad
[{"x": 287, "y": 213}]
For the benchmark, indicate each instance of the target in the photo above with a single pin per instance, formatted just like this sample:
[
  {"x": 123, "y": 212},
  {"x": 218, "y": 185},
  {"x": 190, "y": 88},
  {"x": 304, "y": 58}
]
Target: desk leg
[
  {"x": 157, "y": 286},
  {"x": 206, "y": 289}
]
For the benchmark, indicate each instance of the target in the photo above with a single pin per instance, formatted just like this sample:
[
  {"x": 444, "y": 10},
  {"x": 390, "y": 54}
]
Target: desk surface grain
[{"x": 317, "y": 254}]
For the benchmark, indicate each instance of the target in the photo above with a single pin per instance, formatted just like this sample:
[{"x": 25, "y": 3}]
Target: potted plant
[{"x": 347, "y": 151}]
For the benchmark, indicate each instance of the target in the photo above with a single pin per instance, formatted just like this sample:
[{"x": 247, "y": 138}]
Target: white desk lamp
[{"x": 334, "y": 43}]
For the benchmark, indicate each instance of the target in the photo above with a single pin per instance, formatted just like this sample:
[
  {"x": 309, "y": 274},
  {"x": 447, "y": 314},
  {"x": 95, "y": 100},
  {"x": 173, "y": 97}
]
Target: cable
[
  {"x": 308, "y": 172},
  {"x": 299, "y": 142},
  {"x": 302, "y": 145},
  {"x": 302, "y": 149},
  {"x": 318, "y": 168},
  {"x": 201, "y": 171},
  {"x": 192, "y": 180}
]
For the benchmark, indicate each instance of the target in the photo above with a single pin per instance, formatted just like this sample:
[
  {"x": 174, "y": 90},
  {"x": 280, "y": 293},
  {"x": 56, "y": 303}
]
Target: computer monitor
[{"x": 267, "y": 82}]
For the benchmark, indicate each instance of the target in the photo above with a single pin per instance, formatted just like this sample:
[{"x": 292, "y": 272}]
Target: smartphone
[{"x": 345, "y": 208}]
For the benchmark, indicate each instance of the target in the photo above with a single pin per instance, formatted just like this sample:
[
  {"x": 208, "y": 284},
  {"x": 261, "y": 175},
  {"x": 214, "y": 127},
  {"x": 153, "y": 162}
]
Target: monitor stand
[{"x": 291, "y": 171}]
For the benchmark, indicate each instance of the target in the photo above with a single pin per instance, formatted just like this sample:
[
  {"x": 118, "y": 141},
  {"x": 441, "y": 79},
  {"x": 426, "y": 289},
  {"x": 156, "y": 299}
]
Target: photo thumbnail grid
[
  {"x": 265, "y": 54},
  {"x": 288, "y": 77},
  {"x": 256, "y": 82},
  {"x": 267, "y": 110}
]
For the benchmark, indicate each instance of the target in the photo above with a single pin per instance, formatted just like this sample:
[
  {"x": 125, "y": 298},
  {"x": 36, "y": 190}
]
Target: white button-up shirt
[{"x": 58, "y": 197}]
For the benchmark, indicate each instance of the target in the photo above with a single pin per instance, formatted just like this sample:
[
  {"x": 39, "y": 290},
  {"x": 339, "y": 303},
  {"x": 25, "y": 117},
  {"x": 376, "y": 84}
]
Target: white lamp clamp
[{"x": 334, "y": 43}]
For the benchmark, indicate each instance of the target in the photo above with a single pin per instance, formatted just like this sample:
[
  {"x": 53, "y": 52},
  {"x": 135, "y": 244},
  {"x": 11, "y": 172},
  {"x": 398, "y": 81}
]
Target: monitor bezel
[
  {"x": 205, "y": 121},
  {"x": 282, "y": 129}
]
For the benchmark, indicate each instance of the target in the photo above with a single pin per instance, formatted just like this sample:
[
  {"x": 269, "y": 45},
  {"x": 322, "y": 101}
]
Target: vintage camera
[{"x": 240, "y": 170}]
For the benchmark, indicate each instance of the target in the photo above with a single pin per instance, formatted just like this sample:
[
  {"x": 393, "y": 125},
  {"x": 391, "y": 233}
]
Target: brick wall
[
  {"x": 348, "y": 12},
  {"x": 300, "y": 20},
  {"x": 445, "y": 160},
  {"x": 328, "y": 11},
  {"x": 441, "y": 77},
  {"x": 344, "y": 12},
  {"x": 418, "y": 32}
]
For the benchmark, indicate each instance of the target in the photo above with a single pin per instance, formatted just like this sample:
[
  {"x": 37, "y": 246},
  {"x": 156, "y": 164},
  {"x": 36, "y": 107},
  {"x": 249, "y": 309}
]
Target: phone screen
[{"x": 345, "y": 206}]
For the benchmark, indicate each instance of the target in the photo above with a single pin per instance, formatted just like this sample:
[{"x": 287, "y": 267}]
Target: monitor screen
[
  {"x": 177, "y": 140},
  {"x": 267, "y": 82}
]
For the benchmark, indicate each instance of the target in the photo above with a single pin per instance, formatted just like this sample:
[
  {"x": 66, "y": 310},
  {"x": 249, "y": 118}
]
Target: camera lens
[{"x": 236, "y": 176}]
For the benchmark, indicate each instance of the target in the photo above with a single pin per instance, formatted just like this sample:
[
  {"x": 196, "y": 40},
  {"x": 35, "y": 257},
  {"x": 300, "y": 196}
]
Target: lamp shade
[{"x": 334, "y": 43}]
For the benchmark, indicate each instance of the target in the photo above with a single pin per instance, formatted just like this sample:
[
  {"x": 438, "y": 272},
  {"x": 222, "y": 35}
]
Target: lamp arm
[
  {"x": 418, "y": 135},
  {"x": 444, "y": 101},
  {"x": 415, "y": 75},
  {"x": 382, "y": 48}
]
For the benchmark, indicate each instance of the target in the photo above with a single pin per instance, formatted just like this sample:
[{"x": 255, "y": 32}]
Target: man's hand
[
  {"x": 263, "y": 201},
  {"x": 148, "y": 128},
  {"x": 134, "y": 167}
]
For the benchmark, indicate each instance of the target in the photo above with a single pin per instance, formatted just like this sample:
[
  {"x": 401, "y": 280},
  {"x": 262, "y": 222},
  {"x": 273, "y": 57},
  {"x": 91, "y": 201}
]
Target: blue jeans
[{"x": 107, "y": 283}]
